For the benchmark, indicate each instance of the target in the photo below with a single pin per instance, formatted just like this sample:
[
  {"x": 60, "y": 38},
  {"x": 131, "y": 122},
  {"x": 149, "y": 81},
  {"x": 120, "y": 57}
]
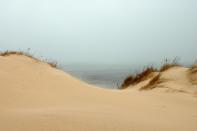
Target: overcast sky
[{"x": 101, "y": 31}]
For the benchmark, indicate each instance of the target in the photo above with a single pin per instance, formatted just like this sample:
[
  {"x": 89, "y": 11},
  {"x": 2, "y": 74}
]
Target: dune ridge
[
  {"x": 168, "y": 73},
  {"x": 36, "y": 96}
]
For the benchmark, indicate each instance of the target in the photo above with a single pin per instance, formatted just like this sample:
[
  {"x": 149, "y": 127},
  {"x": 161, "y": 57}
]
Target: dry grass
[
  {"x": 144, "y": 75},
  {"x": 8, "y": 53},
  {"x": 193, "y": 69},
  {"x": 192, "y": 74},
  {"x": 127, "y": 82},
  {"x": 153, "y": 83},
  {"x": 169, "y": 64}
]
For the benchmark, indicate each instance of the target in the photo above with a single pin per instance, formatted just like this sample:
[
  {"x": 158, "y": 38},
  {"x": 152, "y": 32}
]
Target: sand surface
[{"x": 37, "y": 97}]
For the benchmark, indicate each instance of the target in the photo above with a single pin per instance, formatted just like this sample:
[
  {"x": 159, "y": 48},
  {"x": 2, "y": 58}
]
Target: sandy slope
[{"x": 36, "y": 97}]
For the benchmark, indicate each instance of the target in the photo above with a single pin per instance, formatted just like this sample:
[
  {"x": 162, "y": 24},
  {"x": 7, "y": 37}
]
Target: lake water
[{"x": 101, "y": 75}]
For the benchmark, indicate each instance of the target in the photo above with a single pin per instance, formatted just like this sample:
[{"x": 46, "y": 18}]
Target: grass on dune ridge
[
  {"x": 169, "y": 64},
  {"x": 155, "y": 80},
  {"x": 193, "y": 69},
  {"x": 193, "y": 74},
  {"x": 8, "y": 53},
  {"x": 146, "y": 73}
]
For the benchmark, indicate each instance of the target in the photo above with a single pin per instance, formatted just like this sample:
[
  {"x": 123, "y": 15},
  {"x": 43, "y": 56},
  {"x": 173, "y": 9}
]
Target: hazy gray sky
[{"x": 101, "y": 31}]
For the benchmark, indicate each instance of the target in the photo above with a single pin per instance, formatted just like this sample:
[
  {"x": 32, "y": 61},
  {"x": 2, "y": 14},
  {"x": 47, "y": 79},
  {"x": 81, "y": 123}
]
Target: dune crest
[
  {"x": 176, "y": 79},
  {"x": 35, "y": 96}
]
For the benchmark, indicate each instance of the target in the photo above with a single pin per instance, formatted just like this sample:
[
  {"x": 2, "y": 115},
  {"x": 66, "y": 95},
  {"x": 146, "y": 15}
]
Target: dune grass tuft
[
  {"x": 192, "y": 74},
  {"x": 127, "y": 82},
  {"x": 8, "y": 53},
  {"x": 144, "y": 75},
  {"x": 193, "y": 69},
  {"x": 169, "y": 64}
]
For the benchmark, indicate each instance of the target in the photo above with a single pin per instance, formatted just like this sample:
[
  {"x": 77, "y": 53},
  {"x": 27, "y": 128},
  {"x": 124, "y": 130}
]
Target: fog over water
[
  {"x": 101, "y": 32},
  {"x": 109, "y": 76}
]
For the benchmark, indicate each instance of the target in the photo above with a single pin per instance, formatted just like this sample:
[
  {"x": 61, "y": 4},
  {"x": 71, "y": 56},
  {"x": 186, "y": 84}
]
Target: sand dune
[{"x": 36, "y": 97}]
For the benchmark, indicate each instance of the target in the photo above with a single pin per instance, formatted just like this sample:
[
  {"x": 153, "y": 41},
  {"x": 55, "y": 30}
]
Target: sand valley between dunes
[{"x": 36, "y": 97}]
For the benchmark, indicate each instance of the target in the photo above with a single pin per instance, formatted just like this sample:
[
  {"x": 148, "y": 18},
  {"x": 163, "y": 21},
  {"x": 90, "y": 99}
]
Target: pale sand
[{"x": 37, "y": 97}]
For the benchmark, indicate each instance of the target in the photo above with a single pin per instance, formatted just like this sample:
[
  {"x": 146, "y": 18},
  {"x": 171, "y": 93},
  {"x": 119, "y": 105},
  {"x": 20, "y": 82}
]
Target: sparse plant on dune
[
  {"x": 8, "y": 53},
  {"x": 169, "y": 64},
  {"x": 192, "y": 73},
  {"x": 28, "y": 54},
  {"x": 127, "y": 82},
  {"x": 193, "y": 69},
  {"x": 144, "y": 75}
]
